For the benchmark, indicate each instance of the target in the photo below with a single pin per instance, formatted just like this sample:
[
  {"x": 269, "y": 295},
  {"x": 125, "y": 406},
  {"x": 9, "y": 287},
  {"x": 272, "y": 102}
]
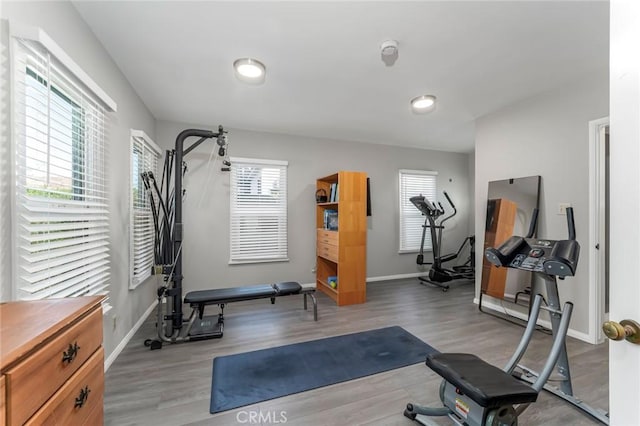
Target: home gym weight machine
[
  {"x": 438, "y": 274},
  {"x": 166, "y": 207},
  {"x": 476, "y": 393}
]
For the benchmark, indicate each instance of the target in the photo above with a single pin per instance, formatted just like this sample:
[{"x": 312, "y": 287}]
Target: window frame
[
  {"x": 148, "y": 144},
  {"x": 402, "y": 202},
  {"x": 92, "y": 104},
  {"x": 261, "y": 163}
]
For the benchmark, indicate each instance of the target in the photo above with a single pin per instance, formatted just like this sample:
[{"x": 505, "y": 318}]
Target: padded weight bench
[
  {"x": 487, "y": 385},
  {"x": 221, "y": 296}
]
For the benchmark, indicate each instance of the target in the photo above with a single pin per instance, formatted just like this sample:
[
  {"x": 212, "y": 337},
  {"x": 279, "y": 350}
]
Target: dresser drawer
[
  {"x": 34, "y": 380},
  {"x": 79, "y": 400},
  {"x": 327, "y": 237},
  {"x": 328, "y": 251}
]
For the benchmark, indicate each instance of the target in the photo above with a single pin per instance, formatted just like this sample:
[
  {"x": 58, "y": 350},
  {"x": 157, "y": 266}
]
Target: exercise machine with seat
[
  {"x": 438, "y": 274},
  {"x": 476, "y": 393}
]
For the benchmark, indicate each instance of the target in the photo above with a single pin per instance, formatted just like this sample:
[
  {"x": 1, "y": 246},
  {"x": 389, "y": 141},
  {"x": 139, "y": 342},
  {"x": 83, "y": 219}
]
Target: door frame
[{"x": 597, "y": 229}]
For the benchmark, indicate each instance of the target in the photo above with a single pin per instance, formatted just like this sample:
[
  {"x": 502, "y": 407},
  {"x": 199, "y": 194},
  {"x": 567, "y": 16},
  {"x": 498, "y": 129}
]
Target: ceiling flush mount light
[
  {"x": 249, "y": 70},
  {"x": 423, "y": 104}
]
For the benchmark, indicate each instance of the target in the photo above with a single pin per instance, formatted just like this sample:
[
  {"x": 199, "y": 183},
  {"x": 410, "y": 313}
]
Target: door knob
[{"x": 626, "y": 329}]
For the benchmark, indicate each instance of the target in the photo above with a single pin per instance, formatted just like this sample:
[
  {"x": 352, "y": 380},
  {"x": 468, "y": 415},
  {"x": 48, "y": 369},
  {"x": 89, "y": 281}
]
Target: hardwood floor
[{"x": 172, "y": 386}]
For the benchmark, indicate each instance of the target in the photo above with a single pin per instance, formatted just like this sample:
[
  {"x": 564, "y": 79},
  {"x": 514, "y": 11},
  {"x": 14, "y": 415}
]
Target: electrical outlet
[
  {"x": 115, "y": 318},
  {"x": 562, "y": 208},
  {"x": 313, "y": 270}
]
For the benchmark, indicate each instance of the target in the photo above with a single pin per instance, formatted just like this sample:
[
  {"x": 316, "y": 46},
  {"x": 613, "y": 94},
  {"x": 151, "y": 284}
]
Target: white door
[{"x": 624, "y": 357}]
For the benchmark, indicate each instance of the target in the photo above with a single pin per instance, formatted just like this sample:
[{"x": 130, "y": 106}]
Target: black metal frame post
[{"x": 180, "y": 152}]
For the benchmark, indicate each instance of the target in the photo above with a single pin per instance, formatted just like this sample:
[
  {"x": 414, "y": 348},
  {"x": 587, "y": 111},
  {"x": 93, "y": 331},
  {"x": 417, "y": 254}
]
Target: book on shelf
[
  {"x": 333, "y": 193},
  {"x": 331, "y": 220}
]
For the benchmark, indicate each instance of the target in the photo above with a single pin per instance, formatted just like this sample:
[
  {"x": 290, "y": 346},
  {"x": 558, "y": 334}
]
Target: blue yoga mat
[{"x": 251, "y": 377}]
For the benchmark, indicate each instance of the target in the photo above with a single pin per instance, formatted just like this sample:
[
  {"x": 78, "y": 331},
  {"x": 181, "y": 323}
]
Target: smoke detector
[{"x": 389, "y": 52}]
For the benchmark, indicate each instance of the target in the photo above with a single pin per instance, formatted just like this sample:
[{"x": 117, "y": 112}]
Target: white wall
[
  {"x": 61, "y": 22},
  {"x": 206, "y": 206},
  {"x": 472, "y": 191},
  {"x": 548, "y": 136}
]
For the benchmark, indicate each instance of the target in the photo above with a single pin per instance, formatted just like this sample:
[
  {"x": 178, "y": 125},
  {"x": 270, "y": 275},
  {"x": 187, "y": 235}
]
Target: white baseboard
[
  {"x": 112, "y": 357},
  {"x": 544, "y": 323},
  {"x": 397, "y": 277},
  {"x": 383, "y": 278}
]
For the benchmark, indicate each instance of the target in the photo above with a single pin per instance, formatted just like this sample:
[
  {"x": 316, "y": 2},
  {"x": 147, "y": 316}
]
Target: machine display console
[
  {"x": 558, "y": 258},
  {"x": 532, "y": 255}
]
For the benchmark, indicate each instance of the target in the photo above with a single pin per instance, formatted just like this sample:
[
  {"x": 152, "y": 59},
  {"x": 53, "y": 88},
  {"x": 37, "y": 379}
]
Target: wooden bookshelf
[{"x": 343, "y": 252}]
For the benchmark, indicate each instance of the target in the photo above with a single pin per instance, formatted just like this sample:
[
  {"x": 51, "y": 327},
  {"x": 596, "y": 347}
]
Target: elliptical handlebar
[
  {"x": 429, "y": 204},
  {"x": 433, "y": 209},
  {"x": 453, "y": 206},
  {"x": 449, "y": 200},
  {"x": 425, "y": 206},
  {"x": 571, "y": 226}
]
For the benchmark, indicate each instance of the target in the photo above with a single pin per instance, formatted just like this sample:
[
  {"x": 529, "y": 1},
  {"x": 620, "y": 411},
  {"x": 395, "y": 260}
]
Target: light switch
[{"x": 562, "y": 208}]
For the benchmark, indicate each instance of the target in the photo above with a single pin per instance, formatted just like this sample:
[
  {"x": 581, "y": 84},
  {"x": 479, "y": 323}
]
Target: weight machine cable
[{"x": 206, "y": 185}]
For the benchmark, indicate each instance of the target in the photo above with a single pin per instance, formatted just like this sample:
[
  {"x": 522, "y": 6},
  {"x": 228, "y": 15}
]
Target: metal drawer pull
[
  {"x": 70, "y": 354},
  {"x": 82, "y": 398}
]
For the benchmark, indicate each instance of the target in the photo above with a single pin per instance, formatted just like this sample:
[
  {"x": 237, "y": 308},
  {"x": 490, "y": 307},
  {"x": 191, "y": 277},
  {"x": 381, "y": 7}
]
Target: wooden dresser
[{"x": 51, "y": 362}]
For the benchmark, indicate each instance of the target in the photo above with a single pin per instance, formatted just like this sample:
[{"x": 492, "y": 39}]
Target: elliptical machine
[
  {"x": 438, "y": 274},
  {"x": 476, "y": 393}
]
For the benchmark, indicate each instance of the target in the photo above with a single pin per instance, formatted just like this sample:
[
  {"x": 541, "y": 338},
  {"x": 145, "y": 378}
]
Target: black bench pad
[
  {"x": 238, "y": 294},
  {"x": 286, "y": 288},
  {"x": 484, "y": 383}
]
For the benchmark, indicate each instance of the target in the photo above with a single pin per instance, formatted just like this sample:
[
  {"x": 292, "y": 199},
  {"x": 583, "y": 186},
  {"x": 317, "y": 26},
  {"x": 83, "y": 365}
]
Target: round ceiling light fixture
[
  {"x": 423, "y": 104},
  {"x": 249, "y": 70}
]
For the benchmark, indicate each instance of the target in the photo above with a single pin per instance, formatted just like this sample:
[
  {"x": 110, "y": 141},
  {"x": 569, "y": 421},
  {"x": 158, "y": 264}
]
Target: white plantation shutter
[
  {"x": 412, "y": 183},
  {"x": 258, "y": 210},
  {"x": 62, "y": 217},
  {"x": 145, "y": 156}
]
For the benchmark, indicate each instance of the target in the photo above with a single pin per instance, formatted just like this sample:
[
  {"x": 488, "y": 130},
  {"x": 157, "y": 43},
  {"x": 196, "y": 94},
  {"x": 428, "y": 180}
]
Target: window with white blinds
[
  {"x": 61, "y": 217},
  {"x": 412, "y": 183},
  {"x": 258, "y": 211},
  {"x": 145, "y": 156}
]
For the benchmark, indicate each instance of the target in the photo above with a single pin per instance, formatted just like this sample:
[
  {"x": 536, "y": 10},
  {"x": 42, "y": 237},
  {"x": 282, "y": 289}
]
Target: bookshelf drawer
[
  {"x": 328, "y": 251},
  {"x": 327, "y": 237}
]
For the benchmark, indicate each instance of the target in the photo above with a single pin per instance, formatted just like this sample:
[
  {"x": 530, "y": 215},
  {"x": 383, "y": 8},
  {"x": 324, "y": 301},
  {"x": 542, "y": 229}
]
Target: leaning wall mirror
[{"x": 510, "y": 205}]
